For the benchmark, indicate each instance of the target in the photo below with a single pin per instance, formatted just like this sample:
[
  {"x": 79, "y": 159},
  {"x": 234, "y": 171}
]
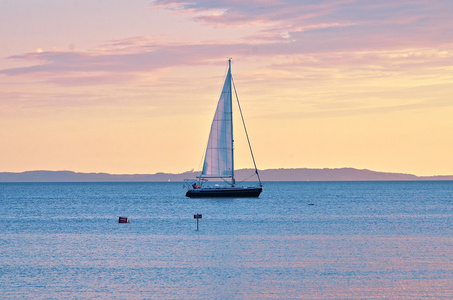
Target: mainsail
[{"x": 218, "y": 160}]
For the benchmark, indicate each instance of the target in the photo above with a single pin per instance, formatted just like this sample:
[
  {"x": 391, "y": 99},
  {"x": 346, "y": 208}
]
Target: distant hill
[{"x": 343, "y": 174}]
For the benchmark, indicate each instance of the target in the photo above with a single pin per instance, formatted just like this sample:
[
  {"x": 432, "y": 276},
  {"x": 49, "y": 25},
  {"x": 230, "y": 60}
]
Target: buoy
[{"x": 123, "y": 220}]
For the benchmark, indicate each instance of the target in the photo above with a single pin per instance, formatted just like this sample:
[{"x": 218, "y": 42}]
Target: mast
[{"x": 231, "y": 112}]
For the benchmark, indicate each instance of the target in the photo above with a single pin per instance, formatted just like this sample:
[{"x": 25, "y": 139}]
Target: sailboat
[{"x": 218, "y": 162}]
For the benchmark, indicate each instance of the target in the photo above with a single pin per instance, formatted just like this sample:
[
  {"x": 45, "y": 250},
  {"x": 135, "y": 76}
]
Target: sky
[{"x": 130, "y": 87}]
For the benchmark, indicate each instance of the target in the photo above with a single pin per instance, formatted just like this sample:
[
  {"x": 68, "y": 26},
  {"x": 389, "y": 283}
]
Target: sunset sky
[{"x": 131, "y": 86}]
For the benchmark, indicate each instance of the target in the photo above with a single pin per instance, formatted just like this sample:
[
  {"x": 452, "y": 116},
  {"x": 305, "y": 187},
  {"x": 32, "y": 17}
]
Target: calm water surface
[{"x": 299, "y": 240}]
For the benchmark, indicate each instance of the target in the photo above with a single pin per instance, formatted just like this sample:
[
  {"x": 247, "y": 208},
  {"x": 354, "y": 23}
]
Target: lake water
[{"x": 299, "y": 240}]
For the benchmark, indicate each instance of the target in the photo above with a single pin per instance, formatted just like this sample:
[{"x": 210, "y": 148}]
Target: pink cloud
[
  {"x": 139, "y": 60},
  {"x": 283, "y": 28},
  {"x": 415, "y": 20}
]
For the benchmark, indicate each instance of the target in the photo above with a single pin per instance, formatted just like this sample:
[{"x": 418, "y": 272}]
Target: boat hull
[{"x": 224, "y": 192}]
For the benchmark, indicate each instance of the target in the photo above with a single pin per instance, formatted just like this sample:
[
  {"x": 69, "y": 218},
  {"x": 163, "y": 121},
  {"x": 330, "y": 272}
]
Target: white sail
[{"x": 218, "y": 161}]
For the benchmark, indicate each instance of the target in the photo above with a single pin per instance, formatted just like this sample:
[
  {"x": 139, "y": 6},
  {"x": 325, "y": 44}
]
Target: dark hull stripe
[{"x": 252, "y": 192}]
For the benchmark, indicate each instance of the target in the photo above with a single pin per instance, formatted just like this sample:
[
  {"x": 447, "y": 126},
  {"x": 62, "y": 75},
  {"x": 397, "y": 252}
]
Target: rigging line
[
  {"x": 245, "y": 128},
  {"x": 246, "y": 179},
  {"x": 227, "y": 181}
]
